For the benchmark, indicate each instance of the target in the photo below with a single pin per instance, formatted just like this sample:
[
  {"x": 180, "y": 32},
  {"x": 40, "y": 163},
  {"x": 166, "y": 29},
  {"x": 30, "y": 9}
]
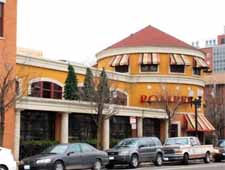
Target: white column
[
  {"x": 64, "y": 128},
  {"x": 106, "y": 134},
  {"x": 166, "y": 128},
  {"x": 17, "y": 135},
  {"x": 140, "y": 127}
]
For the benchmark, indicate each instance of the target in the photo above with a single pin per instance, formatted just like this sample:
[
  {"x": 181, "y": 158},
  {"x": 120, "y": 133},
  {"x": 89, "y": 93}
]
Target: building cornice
[
  {"x": 148, "y": 49},
  {"x": 81, "y": 69},
  {"x": 54, "y": 105}
]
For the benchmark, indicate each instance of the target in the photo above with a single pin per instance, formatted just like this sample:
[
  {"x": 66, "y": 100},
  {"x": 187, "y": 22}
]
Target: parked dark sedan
[
  {"x": 133, "y": 151},
  {"x": 221, "y": 151},
  {"x": 66, "y": 156}
]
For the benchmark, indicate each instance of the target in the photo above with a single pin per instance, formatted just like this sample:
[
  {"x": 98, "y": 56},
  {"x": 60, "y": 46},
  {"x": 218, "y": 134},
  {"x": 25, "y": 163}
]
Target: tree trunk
[
  {"x": 169, "y": 123},
  {"x": 99, "y": 136}
]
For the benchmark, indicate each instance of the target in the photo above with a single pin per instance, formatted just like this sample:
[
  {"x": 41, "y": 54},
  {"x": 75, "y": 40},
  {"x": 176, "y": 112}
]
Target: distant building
[{"x": 215, "y": 52}]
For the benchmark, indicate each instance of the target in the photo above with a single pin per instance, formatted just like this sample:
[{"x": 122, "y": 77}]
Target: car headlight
[
  {"x": 43, "y": 161},
  {"x": 122, "y": 153}
]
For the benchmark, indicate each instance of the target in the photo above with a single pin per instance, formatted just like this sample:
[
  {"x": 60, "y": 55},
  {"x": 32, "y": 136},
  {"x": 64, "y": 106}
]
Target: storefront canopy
[
  {"x": 203, "y": 124},
  {"x": 120, "y": 60},
  {"x": 178, "y": 59},
  {"x": 199, "y": 63},
  {"x": 149, "y": 58}
]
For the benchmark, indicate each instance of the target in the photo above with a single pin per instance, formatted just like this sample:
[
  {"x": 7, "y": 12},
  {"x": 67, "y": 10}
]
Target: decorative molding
[
  {"x": 148, "y": 49},
  {"x": 54, "y": 105},
  {"x": 81, "y": 69}
]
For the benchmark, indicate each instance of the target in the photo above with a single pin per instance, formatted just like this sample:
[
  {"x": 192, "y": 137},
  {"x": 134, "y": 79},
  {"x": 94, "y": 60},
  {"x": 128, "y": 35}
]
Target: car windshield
[
  {"x": 221, "y": 143},
  {"x": 177, "y": 141},
  {"x": 58, "y": 149},
  {"x": 126, "y": 143}
]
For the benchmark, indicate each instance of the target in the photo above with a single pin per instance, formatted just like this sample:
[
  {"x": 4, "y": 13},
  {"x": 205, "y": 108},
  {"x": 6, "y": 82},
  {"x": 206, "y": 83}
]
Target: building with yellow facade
[{"x": 147, "y": 68}]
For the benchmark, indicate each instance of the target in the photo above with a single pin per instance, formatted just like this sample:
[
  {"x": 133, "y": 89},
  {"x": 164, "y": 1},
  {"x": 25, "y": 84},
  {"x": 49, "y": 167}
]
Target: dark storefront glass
[
  {"x": 37, "y": 125},
  {"x": 151, "y": 127},
  {"x": 82, "y": 128},
  {"x": 120, "y": 127}
]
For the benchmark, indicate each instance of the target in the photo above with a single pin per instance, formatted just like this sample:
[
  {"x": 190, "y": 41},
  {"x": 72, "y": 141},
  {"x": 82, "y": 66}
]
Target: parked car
[
  {"x": 66, "y": 156},
  {"x": 134, "y": 151},
  {"x": 220, "y": 155},
  {"x": 185, "y": 149},
  {"x": 7, "y": 161}
]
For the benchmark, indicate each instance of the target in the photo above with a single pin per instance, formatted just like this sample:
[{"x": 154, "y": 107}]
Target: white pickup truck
[{"x": 185, "y": 149}]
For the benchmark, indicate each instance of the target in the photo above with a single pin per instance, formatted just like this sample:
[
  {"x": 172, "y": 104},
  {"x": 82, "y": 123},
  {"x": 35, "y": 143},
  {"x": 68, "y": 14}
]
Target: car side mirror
[{"x": 69, "y": 153}]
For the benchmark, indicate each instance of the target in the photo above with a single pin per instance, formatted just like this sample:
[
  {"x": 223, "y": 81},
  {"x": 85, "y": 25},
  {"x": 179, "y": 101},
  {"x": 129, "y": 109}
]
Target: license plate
[
  {"x": 26, "y": 167},
  {"x": 111, "y": 158},
  {"x": 166, "y": 159}
]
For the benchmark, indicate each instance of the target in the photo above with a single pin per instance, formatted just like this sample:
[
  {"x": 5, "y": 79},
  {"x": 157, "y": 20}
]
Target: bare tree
[
  {"x": 215, "y": 108},
  {"x": 171, "y": 100},
  {"x": 104, "y": 101},
  {"x": 11, "y": 90}
]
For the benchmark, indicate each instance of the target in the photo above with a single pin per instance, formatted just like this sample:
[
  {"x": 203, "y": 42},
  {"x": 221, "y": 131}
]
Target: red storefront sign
[{"x": 170, "y": 99}]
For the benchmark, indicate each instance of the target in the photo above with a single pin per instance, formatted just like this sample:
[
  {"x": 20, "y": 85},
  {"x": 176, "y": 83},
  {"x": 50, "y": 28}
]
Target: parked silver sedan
[{"x": 67, "y": 156}]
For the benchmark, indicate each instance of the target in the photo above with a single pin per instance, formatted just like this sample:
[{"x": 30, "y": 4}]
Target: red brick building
[{"x": 8, "y": 15}]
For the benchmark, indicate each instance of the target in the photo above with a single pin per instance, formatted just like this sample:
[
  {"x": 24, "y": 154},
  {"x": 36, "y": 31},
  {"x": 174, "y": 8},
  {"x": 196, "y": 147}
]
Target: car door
[
  {"x": 73, "y": 158},
  {"x": 144, "y": 150},
  {"x": 195, "y": 150},
  {"x": 88, "y": 154},
  {"x": 152, "y": 149}
]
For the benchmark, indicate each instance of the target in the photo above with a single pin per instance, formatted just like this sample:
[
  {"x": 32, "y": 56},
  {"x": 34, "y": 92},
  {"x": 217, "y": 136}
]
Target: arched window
[
  {"x": 119, "y": 98},
  {"x": 46, "y": 89}
]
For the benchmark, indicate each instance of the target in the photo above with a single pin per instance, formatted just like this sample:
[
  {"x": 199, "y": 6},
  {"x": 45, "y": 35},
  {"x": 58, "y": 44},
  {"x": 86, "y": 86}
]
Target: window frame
[
  {"x": 119, "y": 66},
  {"x": 149, "y": 71},
  {"x": 173, "y": 72},
  {"x": 194, "y": 69},
  {"x": 40, "y": 90}
]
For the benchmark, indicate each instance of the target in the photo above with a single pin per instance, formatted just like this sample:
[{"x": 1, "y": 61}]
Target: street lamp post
[{"x": 197, "y": 104}]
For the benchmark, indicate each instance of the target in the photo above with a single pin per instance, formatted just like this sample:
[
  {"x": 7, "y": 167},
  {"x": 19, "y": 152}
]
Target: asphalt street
[{"x": 177, "y": 166}]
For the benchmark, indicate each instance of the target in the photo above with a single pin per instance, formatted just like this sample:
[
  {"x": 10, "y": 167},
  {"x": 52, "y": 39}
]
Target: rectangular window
[
  {"x": 149, "y": 67},
  {"x": 197, "y": 71},
  {"x": 177, "y": 68},
  {"x": 1, "y": 18},
  {"x": 122, "y": 69}
]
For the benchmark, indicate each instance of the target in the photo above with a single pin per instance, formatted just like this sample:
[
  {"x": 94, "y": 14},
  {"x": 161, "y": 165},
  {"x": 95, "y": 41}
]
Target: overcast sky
[{"x": 76, "y": 30}]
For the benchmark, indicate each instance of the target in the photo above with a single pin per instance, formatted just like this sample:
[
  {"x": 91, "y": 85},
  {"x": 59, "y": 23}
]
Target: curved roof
[{"x": 150, "y": 36}]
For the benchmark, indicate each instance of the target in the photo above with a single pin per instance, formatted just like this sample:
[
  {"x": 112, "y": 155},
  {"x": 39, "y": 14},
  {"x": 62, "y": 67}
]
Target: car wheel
[
  {"x": 158, "y": 160},
  {"x": 97, "y": 165},
  {"x": 217, "y": 159},
  {"x": 3, "y": 167},
  {"x": 207, "y": 158},
  {"x": 186, "y": 159},
  {"x": 134, "y": 162},
  {"x": 59, "y": 165}
]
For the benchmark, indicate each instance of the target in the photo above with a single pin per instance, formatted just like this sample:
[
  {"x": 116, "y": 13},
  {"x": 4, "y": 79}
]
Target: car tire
[
  {"x": 186, "y": 159},
  {"x": 3, "y": 167},
  {"x": 134, "y": 161},
  {"x": 158, "y": 160},
  {"x": 97, "y": 165},
  {"x": 207, "y": 158},
  {"x": 59, "y": 165},
  {"x": 109, "y": 166},
  {"x": 217, "y": 159}
]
